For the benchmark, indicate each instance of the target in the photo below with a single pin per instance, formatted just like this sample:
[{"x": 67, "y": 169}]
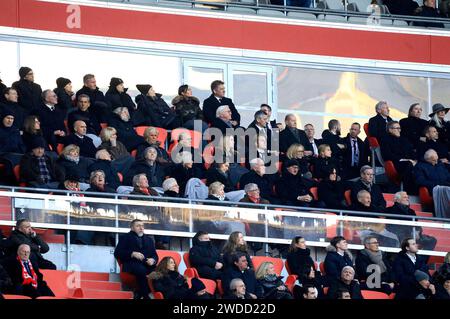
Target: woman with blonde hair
[
  {"x": 70, "y": 161},
  {"x": 235, "y": 243},
  {"x": 151, "y": 139},
  {"x": 121, "y": 160},
  {"x": 270, "y": 284},
  {"x": 297, "y": 152},
  {"x": 325, "y": 163}
]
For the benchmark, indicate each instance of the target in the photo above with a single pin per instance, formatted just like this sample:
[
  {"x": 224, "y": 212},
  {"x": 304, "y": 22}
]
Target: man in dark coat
[
  {"x": 10, "y": 104},
  {"x": 338, "y": 256},
  {"x": 98, "y": 103},
  {"x": 291, "y": 134},
  {"x": 29, "y": 92},
  {"x": 24, "y": 234},
  {"x": 355, "y": 154},
  {"x": 261, "y": 127},
  {"x": 103, "y": 163},
  {"x": 64, "y": 93},
  {"x": 219, "y": 173},
  {"x": 405, "y": 265},
  {"x": 428, "y": 10},
  {"x": 117, "y": 96},
  {"x": 137, "y": 255},
  {"x": 258, "y": 176},
  {"x": 149, "y": 166},
  {"x": 79, "y": 138},
  {"x": 377, "y": 124},
  {"x": 430, "y": 172},
  {"x": 24, "y": 272},
  {"x": 78, "y": 166},
  {"x": 223, "y": 121},
  {"x": 332, "y": 137},
  {"x": 433, "y": 142},
  {"x": 52, "y": 119},
  {"x": 10, "y": 138},
  {"x": 312, "y": 146},
  {"x": 346, "y": 281},
  {"x": 216, "y": 99},
  {"x": 39, "y": 170},
  {"x": 366, "y": 183},
  {"x": 413, "y": 126},
  {"x": 84, "y": 114},
  {"x": 240, "y": 270},
  {"x": 123, "y": 124},
  {"x": 372, "y": 261},
  {"x": 205, "y": 257}
]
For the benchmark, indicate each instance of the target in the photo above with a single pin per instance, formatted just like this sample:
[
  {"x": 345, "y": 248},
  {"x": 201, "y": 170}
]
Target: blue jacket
[
  {"x": 10, "y": 140},
  {"x": 334, "y": 263},
  {"x": 429, "y": 176}
]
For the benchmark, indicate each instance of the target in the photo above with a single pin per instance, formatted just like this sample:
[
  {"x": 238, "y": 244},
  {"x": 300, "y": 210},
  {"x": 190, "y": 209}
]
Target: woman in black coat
[
  {"x": 325, "y": 162},
  {"x": 117, "y": 96},
  {"x": 31, "y": 130},
  {"x": 123, "y": 124},
  {"x": 167, "y": 280},
  {"x": 270, "y": 285},
  {"x": 183, "y": 172},
  {"x": 219, "y": 173},
  {"x": 70, "y": 161},
  {"x": 187, "y": 107},
  {"x": 235, "y": 243},
  {"x": 204, "y": 257},
  {"x": 413, "y": 126},
  {"x": 65, "y": 94},
  {"x": 299, "y": 257},
  {"x": 331, "y": 191}
]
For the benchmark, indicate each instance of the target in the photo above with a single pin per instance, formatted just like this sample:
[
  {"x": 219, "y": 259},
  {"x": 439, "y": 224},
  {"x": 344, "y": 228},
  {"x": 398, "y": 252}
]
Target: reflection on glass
[
  {"x": 9, "y": 72},
  {"x": 440, "y": 92},
  {"x": 200, "y": 79},
  {"x": 249, "y": 88}
]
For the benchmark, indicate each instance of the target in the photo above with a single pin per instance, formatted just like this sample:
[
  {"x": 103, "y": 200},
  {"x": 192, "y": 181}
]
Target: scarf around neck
[
  {"x": 28, "y": 278},
  {"x": 377, "y": 258}
]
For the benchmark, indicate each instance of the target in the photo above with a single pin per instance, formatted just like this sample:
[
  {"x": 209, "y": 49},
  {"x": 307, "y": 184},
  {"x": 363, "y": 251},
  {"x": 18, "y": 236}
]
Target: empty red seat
[
  {"x": 425, "y": 198},
  {"x": 313, "y": 191},
  {"x": 392, "y": 173},
  {"x": 168, "y": 253},
  {"x": 104, "y": 294},
  {"x": 369, "y": 294},
  {"x": 187, "y": 262},
  {"x": 100, "y": 285}
]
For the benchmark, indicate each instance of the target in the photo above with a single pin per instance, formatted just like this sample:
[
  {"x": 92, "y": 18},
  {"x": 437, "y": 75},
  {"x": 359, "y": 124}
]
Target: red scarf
[
  {"x": 144, "y": 190},
  {"x": 27, "y": 279},
  {"x": 254, "y": 199}
]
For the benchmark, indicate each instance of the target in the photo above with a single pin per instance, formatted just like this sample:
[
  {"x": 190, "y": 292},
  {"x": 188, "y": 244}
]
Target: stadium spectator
[
  {"x": 405, "y": 265},
  {"x": 443, "y": 289},
  {"x": 293, "y": 189},
  {"x": 123, "y": 124},
  {"x": 377, "y": 124},
  {"x": 312, "y": 147},
  {"x": 235, "y": 243},
  {"x": 149, "y": 166},
  {"x": 11, "y": 145},
  {"x": 24, "y": 234},
  {"x": 171, "y": 188},
  {"x": 72, "y": 183},
  {"x": 401, "y": 7},
  {"x": 332, "y": 137},
  {"x": 38, "y": 169},
  {"x": 432, "y": 142},
  {"x": 103, "y": 163},
  {"x": 121, "y": 159},
  {"x": 216, "y": 192},
  {"x": 185, "y": 170},
  {"x": 98, "y": 106},
  {"x": 325, "y": 162},
  {"x": 297, "y": 152},
  {"x": 219, "y": 173},
  {"x": 258, "y": 176},
  {"x": 216, "y": 99},
  {"x": 70, "y": 162},
  {"x": 2, "y": 88},
  {"x": 291, "y": 134},
  {"x": 299, "y": 257},
  {"x": 31, "y": 130},
  {"x": 428, "y": 10},
  {"x": 365, "y": 182},
  {"x": 64, "y": 93},
  {"x": 346, "y": 281},
  {"x": 10, "y": 104},
  {"x": 311, "y": 277},
  {"x": 223, "y": 121},
  {"x": 117, "y": 96},
  {"x": 97, "y": 181},
  {"x": 308, "y": 292},
  {"x": 398, "y": 150},
  {"x": 188, "y": 108},
  {"x": 151, "y": 139},
  {"x": 252, "y": 195},
  {"x": 79, "y": 138},
  {"x": 331, "y": 191},
  {"x": 363, "y": 203},
  {"x": 167, "y": 280},
  {"x": 438, "y": 121},
  {"x": 269, "y": 157},
  {"x": 238, "y": 290},
  {"x": 28, "y": 91},
  {"x": 271, "y": 124},
  {"x": 338, "y": 256},
  {"x": 225, "y": 151},
  {"x": 51, "y": 119},
  {"x": 413, "y": 126},
  {"x": 205, "y": 257},
  {"x": 260, "y": 125},
  {"x": 85, "y": 114},
  {"x": 141, "y": 187},
  {"x": 424, "y": 289},
  {"x": 372, "y": 261},
  {"x": 5, "y": 281},
  {"x": 239, "y": 268},
  {"x": 444, "y": 270},
  {"x": 25, "y": 275},
  {"x": 271, "y": 285},
  {"x": 153, "y": 110},
  {"x": 343, "y": 294},
  {"x": 137, "y": 254},
  {"x": 355, "y": 154}
]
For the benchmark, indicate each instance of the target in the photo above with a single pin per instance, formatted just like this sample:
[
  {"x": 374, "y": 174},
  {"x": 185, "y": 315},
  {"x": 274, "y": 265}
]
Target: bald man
[
  {"x": 79, "y": 138},
  {"x": 291, "y": 134}
]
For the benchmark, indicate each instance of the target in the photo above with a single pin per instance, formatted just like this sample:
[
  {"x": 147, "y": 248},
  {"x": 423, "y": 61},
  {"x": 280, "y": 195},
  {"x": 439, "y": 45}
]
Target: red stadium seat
[
  {"x": 191, "y": 273},
  {"x": 210, "y": 285},
  {"x": 16, "y": 171},
  {"x": 325, "y": 291},
  {"x": 104, "y": 294},
  {"x": 187, "y": 262},
  {"x": 313, "y": 191},
  {"x": 57, "y": 280},
  {"x": 168, "y": 253},
  {"x": 348, "y": 197},
  {"x": 16, "y": 297},
  {"x": 208, "y": 155},
  {"x": 220, "y": 288},
  {"x": 290, "y": 282},
  {"x": 134, "y": 153},
  {"x": 369, "y": 294},
  {"x": 392, "y": 173},
  {"x": 127, "y": 279},
  {"x": 158, "y": 295},
  {"x": 286, "y": 265},
  {"x": 366, "y": 128},
  {"x": 277, "y": 263},
  {"x": 59, "y": 148},
  {"x": 425, "y": 198},
  {"x": 195, "y": 136},
  {"x": 388, "y": 197},
  {"x": 322, "y": 268},
  {"x": 103, "y": 125}
]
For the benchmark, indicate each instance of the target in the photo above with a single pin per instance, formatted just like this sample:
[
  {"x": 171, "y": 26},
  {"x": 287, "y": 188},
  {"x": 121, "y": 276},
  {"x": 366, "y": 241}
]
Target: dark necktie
[
  {"x": 355, "y": 154},
  {"x": 27, "y": 267}
]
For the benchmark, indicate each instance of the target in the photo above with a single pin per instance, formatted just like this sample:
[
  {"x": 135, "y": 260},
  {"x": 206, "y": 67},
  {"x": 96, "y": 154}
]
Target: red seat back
[
  {"x": 348, "y": 197},
  {"x": 369, "y": 294},
  {"x": 277, "y": 263},
  {"x": 313, "y": 191},
  {"x": 15, "y": 297},
  {"x": 391, "y": 172},
  {"x": 168, "y": 253},
  {"x": 425, "y": 197},
  {"x": 187, "y": 262}
]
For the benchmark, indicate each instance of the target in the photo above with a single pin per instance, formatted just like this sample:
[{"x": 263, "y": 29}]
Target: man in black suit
[
  {"x": 84, "y": 113},
  {"x": 332, "y": 137},
  {"x": 377, "y": 124},
  {"x": 272, "y": 124},
  {"x": 137, "y": 254},
  {"x": 79, "y": 138},
  {"x": 216, "y": 99},
  {"x": 260, "y": 125},
  {"x": 366, "y": 183},
  {"x": 312, "y": 147},
  {"x": 432, "y": 142},
  {"x": 97, "y": 99},
  {"x": 223, "y": 119},
  {"x": 355, "y": 153},
  {"x": 291, "y": 134}
]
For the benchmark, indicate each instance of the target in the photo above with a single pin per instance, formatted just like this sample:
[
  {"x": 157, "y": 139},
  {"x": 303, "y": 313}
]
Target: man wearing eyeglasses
[
  {"x": 365, "y": 182},
  {"x": 373, "y": 268},
  {"x": 400, "y": 151}
]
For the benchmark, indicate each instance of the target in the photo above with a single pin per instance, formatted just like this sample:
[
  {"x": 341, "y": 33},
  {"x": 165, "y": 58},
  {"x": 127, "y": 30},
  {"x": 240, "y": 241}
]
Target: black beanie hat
[
  {"x": 23, "y": 71},
  {"x": 38, "y": 142},
  {"x": 291, "y": 162},
  {"x": 197, "y": 285},
  {"x": 143, "y": 88},
  {"x": 62, "y": 82},
  {"x": 7, "y": 111},
  {"x": 115, "y": 82},
  {"x": 72, "y": 176}
]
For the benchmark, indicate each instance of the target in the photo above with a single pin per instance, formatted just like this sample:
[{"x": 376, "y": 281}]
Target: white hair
[
  {"x": 235, "y": 282},
  {"x": 428, "y": 154},
  {"x": 169, "y": 183},
  {"x": 361, "y": 193},
  {"x": 398, "y": 196},
  {"x": 221, "y": 109},
  {"x": 379, "y": 105},
  {"x": 250, "y": 186},
  {"x": 255, "y": 162}
]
